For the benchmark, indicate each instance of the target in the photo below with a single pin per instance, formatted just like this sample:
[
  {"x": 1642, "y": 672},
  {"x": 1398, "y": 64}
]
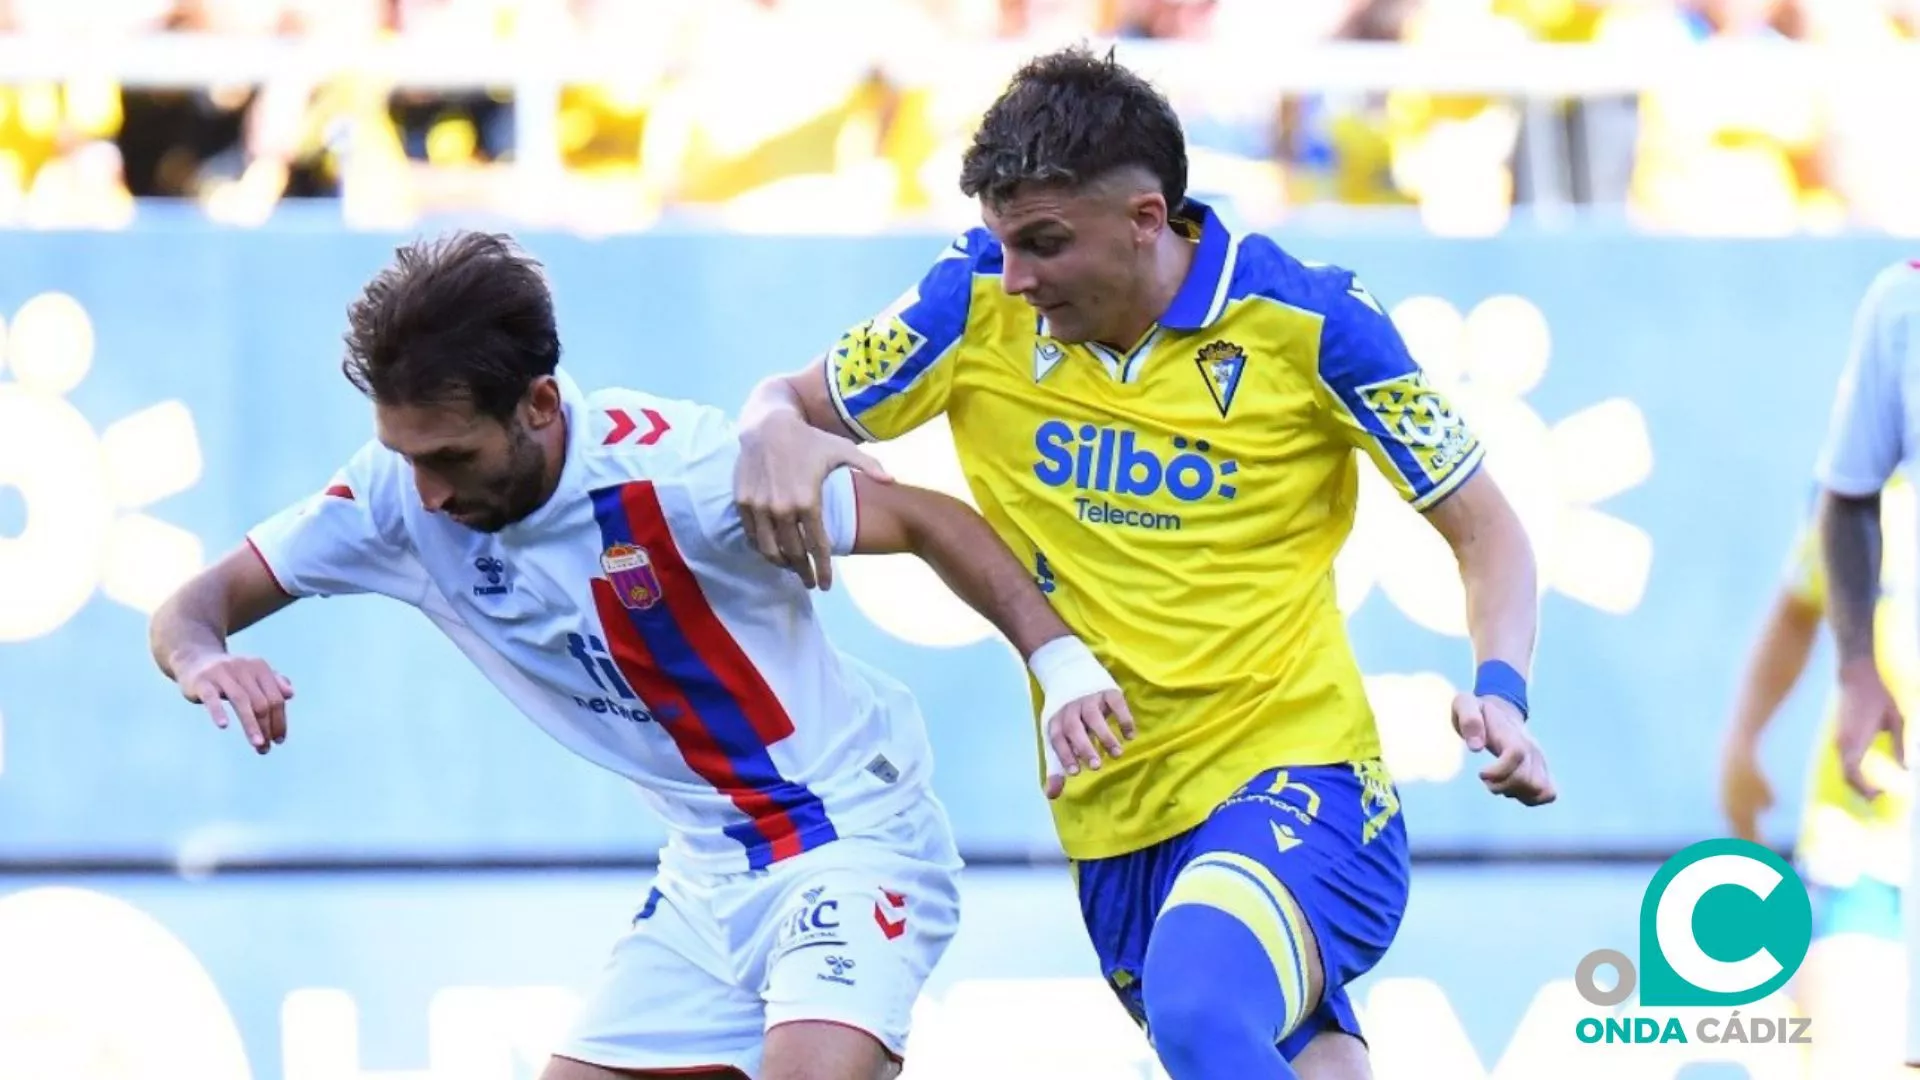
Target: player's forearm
[
  {"x": 799, "y": 396},
  {"x": 190, "y": 625},
  {"x": 961, "y": 547},
  {"x": 1497, "y": 568},
  {"x": 1779, "y": 659},
  {"x": 1850, "y": 545},
  {"x": 216, "y": 603},
  {"x": 1503, "y": 599},
  {"x": 772, "y": 397}
]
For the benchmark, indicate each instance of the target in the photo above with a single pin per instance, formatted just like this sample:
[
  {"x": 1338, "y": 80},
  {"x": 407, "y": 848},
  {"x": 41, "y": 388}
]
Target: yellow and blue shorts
[{"x": 1331, "y": 835}]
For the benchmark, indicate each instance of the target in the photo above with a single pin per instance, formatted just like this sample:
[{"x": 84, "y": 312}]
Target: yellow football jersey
[
  {"x": 1843, "y": 836},
  {"x": 1181, "y": 503}
]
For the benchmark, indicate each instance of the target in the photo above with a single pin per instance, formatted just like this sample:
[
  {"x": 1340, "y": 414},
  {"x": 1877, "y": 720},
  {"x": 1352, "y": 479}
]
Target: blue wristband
[{"x": 1498, "y": 679}]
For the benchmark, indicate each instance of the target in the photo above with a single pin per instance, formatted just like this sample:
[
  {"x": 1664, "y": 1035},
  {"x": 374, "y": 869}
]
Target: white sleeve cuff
[{"x": 840, "y": 510}]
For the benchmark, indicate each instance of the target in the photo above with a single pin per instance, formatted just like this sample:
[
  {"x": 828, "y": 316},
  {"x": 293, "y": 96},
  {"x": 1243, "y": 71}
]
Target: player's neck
[
  {"x": 555, "y": 436},
  {"x": 1172, "y": 258}
]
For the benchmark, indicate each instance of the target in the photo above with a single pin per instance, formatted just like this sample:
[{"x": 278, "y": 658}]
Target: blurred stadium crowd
[{"x": 851, "y": 114}]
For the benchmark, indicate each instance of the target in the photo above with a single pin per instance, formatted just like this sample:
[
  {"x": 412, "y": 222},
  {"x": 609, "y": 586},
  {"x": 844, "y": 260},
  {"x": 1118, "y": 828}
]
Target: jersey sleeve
[
  {"x": 710, "y": 484},
  {"x": 894, "y": 372},
  {"x": 1864, "y": 442},
  {"x": 840, "y": 510},
  {"x": 347, "y": 538},
  {"x": 1805, "y": 576},
  {"x": 1383, "y": 404}
]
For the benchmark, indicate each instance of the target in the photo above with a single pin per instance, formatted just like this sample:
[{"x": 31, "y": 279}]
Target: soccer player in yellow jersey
[
  {"x": 1853, "y": 852},
  {"x": 1162, "y": 418}
]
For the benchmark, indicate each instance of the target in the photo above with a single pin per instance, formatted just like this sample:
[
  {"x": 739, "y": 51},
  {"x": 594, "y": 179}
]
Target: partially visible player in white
[
  {"x": 1874, "y": 432},
  {"x": 1853, "y": 853},
  {"x": 584, "y": 552}
]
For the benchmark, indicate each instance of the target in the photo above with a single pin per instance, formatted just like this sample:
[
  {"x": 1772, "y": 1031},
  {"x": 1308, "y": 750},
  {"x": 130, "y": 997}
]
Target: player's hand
[
  {"x": 1744, "y": 791},
  {"x": 256, "y": 693},
  {"x": 783, "y": 462},
  {"x": 1519, "y": 770},
  {"x": 1079, "y": 731},
  {"x": 1866, "y": 710}
]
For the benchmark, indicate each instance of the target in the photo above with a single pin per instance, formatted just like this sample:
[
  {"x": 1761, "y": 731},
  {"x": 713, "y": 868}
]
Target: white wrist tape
[{"x": 1066, "y": 670}]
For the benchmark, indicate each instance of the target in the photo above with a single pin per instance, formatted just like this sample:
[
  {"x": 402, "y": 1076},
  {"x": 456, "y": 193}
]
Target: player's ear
[
  {"x": 542, "y": 403},
  {"x": 1148, "y": 210}
]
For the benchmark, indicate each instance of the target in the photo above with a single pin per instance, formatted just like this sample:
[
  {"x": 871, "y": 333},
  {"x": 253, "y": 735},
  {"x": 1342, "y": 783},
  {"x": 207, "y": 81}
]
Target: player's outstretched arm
[
  {"x": 1850, "y": 544},
  {"x": 188, "y": 637},
  {"x": 1380, "y": 398},
  {"x": 883, "y": 378},
  {"x": 1497, "y": 567},
  {"x": 796, "y": 396},
  {"x": 1776, "y": 662},
  {"x": 962, "y": 548},
  {"x": 1865, "y": 443},
  {"x": 791, "y": 437}
]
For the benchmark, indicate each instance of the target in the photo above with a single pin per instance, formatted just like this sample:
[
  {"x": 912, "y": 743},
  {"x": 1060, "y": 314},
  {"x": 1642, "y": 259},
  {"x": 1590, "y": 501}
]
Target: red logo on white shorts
[{"x": 890, "y": 911}]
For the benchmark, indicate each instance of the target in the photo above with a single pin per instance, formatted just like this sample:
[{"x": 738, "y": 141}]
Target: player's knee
[
  {"x": 1191, "y": 1021},
  {"x": 1212, "y": 993}
]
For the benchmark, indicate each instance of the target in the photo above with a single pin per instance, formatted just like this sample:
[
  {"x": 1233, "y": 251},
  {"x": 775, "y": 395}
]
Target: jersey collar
[{"x": 1203, "y": 296}]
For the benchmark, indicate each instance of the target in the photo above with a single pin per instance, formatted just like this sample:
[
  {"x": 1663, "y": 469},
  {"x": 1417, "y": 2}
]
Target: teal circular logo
[{"x": 1724, "y": 922}]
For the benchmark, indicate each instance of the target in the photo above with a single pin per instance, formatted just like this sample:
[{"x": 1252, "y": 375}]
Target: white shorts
[
  {"x": 1910, "y": 921},
  {"x": 846, "y": 933}
]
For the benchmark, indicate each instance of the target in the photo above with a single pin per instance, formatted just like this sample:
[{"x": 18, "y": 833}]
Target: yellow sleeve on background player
[
  {"x": 1806, "y": 576},
  {"x": 893, "y": 372},
  {"x": 1383, "y": 403}
]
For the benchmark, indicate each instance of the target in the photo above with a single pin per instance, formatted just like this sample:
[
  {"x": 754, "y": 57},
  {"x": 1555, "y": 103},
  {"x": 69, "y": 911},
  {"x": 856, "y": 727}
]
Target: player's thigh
[
  {"x": 561, "y": 1068},
  {"x": 1119, "y": 896},
  {"x": 664, "y": 1003},
  {"x": 1313, "y": 861},
  {"x": 859, "y": 931},
  {"x": 820, "y": 1050},
  {"x": 1333, "y": 1055}
]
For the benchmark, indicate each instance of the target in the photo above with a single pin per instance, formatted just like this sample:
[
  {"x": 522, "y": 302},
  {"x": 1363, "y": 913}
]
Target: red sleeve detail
[
  {"x": 255, "y": 548},
  {"x": 624, "y": 425}
]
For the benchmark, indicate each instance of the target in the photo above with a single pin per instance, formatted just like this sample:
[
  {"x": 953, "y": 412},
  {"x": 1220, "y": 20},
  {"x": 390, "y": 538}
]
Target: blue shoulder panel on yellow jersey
[
  {"x": 930, "y": 319},
  {"x": 1364, "y": 365},
  {"x": 1364, "y": 362},
  {"x": 1358, "y": 342}
]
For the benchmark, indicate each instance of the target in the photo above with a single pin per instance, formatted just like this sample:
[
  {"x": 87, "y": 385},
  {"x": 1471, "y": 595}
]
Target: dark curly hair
[
  {"x": 464, "y": 318},
  {"x": 1070, "y": 118}
]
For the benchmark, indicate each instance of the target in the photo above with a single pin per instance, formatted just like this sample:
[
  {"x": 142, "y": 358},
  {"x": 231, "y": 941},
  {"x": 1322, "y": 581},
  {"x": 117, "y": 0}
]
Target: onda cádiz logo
[{"x": 1724, "y": 923}]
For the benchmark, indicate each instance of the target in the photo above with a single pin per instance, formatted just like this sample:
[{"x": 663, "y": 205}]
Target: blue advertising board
[{"x": 1653, "y": 404}]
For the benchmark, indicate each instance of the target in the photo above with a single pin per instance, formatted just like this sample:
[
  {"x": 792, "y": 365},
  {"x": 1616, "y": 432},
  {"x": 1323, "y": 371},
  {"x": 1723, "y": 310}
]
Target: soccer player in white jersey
[
  {"x": 1853, "y": 853},
  {"x": 584, "y": 552},
  {"x": 1874, "y": 432}
]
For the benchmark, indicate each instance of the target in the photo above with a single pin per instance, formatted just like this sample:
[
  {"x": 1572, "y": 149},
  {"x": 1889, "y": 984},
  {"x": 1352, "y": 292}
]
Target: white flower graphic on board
[
  {"x": 1556, "y": 474},
  {"x": 82, "y": 491}
]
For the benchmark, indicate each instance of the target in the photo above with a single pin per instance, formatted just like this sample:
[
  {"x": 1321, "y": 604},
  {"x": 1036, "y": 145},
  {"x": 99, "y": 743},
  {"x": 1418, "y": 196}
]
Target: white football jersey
[
  {"x": 633, "y": 620},
  {"x": 1875, "y": 426},
  {"x": 1874, "y": 431}
]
